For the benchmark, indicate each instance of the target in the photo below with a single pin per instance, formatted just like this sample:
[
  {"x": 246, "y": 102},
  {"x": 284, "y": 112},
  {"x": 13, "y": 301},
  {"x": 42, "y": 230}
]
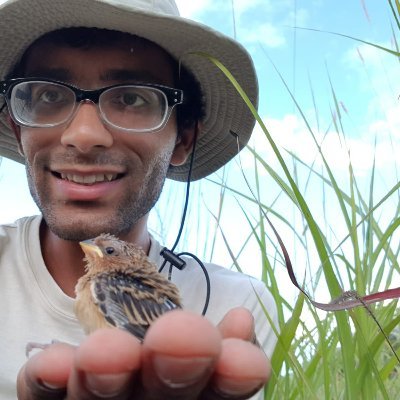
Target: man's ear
[
  {"x": 17, "y": 133},
  {"x": 184, "y": 145}
]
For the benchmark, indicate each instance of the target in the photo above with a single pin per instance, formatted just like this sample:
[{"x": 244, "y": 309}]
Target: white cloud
[
  {"x": 16, "y": 201},
  {"x": 191, "y": 9},
  {"x": 257, "y": 21},
  {"x": 365, "y": 53},
  {"x": 290, "y": 134},
  {"x": 388, "y": 126},
  {"x": 376, "y": 69}
]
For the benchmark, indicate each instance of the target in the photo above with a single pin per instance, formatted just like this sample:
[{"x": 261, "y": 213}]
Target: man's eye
[
  {"x": 132, "y": 99},
  {"x": 51, "y": 96}
]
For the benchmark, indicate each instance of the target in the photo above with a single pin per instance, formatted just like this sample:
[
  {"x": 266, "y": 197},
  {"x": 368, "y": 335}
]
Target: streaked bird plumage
[{"x": 121, "y": 288}]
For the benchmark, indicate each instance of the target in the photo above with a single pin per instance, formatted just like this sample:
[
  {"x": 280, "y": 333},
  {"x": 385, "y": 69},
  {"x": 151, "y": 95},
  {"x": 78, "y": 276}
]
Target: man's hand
[{"x": 183, "y": 356}]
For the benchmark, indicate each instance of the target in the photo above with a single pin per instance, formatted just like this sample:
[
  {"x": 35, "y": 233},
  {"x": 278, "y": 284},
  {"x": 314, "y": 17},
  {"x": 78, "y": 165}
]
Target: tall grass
[
  {"x": 342, "y": 233},
  {"x": 342, "y": 354},
  {"x": 320, "y": 355}
]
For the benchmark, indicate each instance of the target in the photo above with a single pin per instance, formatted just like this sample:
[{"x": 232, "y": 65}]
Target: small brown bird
[{"x": 121, "y": 288}]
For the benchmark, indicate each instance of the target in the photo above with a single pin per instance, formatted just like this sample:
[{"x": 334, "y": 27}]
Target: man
[{"x": 104, "y": 100}]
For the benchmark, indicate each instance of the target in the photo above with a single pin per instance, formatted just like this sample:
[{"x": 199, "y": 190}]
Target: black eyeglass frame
[{"x": 174, "y": 97}]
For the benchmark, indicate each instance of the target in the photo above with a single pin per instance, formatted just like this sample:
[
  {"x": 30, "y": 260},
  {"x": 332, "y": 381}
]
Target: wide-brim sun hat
[{"x": 226, "y": 114}]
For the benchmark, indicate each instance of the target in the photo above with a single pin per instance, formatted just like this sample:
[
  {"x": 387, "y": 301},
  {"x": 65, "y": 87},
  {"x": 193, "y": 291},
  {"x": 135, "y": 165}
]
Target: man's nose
[{"x": 86, "y": 130}]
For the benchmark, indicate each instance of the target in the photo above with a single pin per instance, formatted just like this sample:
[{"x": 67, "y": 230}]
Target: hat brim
[{"x": 23, "y": 21}]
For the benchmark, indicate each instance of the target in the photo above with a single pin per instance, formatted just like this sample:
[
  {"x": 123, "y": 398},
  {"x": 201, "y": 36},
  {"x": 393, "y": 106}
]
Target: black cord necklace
[{"x": 169, "y": 255}]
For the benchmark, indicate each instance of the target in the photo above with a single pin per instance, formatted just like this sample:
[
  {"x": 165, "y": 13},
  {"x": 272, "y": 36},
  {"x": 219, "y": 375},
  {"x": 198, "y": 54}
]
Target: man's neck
[{"x": 64, "y": 258}]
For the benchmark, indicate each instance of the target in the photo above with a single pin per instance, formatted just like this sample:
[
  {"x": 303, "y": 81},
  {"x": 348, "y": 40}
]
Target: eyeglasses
[{"x": 43, "y": 103}]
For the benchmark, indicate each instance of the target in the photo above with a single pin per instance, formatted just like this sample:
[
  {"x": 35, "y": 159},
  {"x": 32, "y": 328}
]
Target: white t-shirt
[{"x": 33, "y": 308}]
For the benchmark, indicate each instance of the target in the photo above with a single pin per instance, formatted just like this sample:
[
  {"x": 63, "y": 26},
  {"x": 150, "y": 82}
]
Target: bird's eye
[{"x": 110, "y": 250}]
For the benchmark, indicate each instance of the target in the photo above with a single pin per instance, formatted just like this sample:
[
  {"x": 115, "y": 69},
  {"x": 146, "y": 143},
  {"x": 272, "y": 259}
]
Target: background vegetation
[{"x": 341, "y": 235}]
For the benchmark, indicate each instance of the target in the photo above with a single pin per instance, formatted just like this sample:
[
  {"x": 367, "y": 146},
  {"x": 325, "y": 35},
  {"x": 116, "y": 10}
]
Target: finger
[
  {"x": 105, "y": 366},
  {"x": 241, "y": 371},
  {"x": 180, "y": 351},
  {"x": 45, "y": 375},
  {"x": 238, "y": 323}
]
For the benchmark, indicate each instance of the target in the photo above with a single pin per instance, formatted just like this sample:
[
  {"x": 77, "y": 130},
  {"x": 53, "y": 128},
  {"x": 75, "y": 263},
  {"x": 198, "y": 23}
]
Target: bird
[{"x": 121, "y": 288}]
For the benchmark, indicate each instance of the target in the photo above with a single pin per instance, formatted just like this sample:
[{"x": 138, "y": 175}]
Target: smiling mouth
[{"x": 89, "y": 179}]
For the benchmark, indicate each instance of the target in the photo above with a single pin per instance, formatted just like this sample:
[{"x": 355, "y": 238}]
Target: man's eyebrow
[
  {"x": 58, "y": 74},
  {"x": 124, "y": 75}
]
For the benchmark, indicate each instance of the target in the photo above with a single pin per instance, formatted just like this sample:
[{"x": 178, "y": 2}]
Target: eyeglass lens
[{"x": 44, "y": 104}]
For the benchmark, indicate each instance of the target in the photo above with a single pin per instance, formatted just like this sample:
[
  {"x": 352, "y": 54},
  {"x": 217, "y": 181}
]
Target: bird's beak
[{"x": 91, "y": 249}]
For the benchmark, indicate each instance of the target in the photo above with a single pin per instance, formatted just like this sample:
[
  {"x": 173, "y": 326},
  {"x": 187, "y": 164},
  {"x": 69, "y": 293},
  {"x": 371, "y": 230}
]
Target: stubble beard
[{"x": 135, "y": 204}]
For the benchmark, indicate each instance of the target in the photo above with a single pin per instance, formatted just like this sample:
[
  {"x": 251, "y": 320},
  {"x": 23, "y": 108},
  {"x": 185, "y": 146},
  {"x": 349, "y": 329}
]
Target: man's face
[{"x": 86, "y": 177}]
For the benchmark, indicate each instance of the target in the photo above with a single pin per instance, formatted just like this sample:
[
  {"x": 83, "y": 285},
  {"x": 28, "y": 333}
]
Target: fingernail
[
  {"x": 51, "y": 386},
  {"x": 107, "y": 385},
  {"x": 177, "y": 372},
  {"x": 228, "y": 387}
]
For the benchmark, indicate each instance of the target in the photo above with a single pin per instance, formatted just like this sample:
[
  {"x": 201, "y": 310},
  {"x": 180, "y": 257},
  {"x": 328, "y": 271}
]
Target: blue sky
[
  {"x": 364, "y": 81},
  {"x": 266, "y": 28},
  {"x": 311, "y": 63}
]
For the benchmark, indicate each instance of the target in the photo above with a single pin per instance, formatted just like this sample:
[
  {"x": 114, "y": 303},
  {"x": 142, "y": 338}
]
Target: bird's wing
[{"x": 128, "y": 303}]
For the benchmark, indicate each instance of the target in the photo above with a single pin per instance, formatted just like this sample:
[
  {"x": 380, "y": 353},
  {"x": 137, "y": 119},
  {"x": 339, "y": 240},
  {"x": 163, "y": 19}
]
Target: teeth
[{"x": 89, "y": 179}]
